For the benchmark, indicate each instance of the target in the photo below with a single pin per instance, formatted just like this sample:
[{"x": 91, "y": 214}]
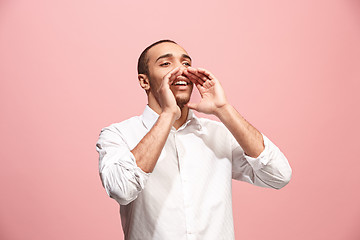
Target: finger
[
  {"x": 196, "y": 72},
  {"x": 212, "y": 83},
  {"x": 194, "y": 78},
  {"x": 171, "y": 76},
  {"x": 174, "y": 76},
  {"x": 207, "y": 84},
  {"x": 206, "y": 73},
  {"x": 200, "y": 88}
]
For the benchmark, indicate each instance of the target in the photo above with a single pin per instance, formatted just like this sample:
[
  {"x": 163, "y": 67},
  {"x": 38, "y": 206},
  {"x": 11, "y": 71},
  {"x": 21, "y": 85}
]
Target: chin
[
  {"x": 182, "y": 98},
  {"x": 182, "y": 101}
]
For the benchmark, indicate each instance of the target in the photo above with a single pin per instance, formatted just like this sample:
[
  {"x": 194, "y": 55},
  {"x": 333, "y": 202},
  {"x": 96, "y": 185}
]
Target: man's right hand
[
  {"x": 148, "y": 150},
  {"x": 167, "y": 99}
]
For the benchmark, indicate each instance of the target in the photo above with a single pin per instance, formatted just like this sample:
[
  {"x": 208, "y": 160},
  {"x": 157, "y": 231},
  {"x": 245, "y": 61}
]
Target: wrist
[
  {"x": 169, "y": 115},
  {"x": 223, "y": 111}
]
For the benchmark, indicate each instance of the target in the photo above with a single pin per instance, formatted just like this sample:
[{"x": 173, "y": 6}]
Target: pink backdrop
[{"x": 68, "y": 68}]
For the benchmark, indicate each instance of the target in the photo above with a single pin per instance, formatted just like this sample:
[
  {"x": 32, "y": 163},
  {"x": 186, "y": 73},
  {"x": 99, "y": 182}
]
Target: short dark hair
[{"x": 142, "y": 66}]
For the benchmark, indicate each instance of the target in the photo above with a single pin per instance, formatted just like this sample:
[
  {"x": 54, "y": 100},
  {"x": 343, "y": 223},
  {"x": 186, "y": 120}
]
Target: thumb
[{"x": 192, "y": 105}]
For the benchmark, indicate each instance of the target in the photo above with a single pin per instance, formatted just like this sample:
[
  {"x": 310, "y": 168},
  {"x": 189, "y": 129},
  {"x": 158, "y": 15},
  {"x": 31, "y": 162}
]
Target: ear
[{"x": 144, "y": 82}]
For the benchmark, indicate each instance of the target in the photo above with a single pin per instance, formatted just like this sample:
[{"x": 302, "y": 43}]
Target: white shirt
[{"x": 188, "y": 194}]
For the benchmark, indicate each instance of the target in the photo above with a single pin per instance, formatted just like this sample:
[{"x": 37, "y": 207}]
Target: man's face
[{"x": 162, "y": 59}]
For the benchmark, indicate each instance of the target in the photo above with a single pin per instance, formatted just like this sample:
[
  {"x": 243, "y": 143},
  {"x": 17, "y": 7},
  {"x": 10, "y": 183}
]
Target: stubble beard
[
  {"x": 183, "y": 98},
  {"x": 182, "y": 101}
]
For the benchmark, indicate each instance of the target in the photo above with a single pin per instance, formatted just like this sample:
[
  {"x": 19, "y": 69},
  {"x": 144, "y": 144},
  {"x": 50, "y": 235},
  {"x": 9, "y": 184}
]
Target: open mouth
[{"x": 181, "y": 81}]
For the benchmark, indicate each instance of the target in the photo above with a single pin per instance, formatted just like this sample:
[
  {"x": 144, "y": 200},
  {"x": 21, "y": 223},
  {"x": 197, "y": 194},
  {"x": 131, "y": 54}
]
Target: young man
[{"x": 170, "y": 171}]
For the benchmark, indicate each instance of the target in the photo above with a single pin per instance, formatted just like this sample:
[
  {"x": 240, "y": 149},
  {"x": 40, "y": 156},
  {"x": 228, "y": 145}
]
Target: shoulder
[
  {"x": 121, "y": 128},
  {"x": 128, "y": 123}
]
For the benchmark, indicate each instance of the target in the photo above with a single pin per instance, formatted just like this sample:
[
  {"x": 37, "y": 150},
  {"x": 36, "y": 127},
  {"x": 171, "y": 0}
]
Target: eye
[
  {"x": 165, "y": 64},
  {"x": 187, "y": 64}
]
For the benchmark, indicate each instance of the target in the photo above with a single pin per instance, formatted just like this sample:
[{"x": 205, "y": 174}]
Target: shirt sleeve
[
  {"x": 270, "y": 169},
  {"x": 122, "y": 179}
]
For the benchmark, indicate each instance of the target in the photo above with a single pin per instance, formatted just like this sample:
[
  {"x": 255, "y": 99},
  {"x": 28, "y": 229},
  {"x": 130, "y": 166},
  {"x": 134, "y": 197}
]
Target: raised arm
[
  {"x": 148, "y": 150},
  {"x": 268, "y": 167},
  {"x": 214, "y": 102},
  {"x": 123, "y": 171}
]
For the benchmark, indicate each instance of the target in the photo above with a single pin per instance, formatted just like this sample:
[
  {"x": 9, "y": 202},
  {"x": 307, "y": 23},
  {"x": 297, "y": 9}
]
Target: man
[{"x": 170, "y": 171}]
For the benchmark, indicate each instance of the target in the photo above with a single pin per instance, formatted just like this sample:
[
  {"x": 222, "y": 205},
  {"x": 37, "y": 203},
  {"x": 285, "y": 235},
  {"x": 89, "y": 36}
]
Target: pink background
[{"x": 68, "y": 68}]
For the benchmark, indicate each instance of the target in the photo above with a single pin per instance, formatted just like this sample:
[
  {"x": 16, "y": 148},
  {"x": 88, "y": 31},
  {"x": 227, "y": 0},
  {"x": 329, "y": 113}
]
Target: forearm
[
  {"x": 249, "y": 138},
  {"x": 148, "y": 150}
]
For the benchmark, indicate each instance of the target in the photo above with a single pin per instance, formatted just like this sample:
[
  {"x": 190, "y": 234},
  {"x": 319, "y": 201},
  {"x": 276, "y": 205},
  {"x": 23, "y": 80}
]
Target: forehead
[{"x": 164, "y": 48}]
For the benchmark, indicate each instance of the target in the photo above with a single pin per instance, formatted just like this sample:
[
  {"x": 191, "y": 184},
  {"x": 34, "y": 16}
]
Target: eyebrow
[{"x": 171, "y": 55}]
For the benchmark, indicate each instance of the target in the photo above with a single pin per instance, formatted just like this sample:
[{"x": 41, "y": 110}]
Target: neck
[
  {"x": 154, "y": 105},
  {"x": 184, "y": 114}
]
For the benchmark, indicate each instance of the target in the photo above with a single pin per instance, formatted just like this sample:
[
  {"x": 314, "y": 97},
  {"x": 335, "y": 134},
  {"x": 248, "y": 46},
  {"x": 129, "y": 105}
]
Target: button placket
[{"x": 184, "y": 180}]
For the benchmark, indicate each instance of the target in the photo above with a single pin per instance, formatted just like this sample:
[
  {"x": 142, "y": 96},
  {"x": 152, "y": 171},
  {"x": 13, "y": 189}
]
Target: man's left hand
[{"x": 212, "y": 94}]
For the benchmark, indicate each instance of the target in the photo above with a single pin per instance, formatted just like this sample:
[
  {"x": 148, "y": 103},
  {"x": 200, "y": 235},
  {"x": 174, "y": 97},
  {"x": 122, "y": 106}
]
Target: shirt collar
[{"x": 149, "y": 117}]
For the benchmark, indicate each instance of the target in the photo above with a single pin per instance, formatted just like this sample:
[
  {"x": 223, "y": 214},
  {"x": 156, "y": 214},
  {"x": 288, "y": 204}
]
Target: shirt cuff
[
  {"x": 258, "y": 162},
  {"x": 140, "y": 175}
]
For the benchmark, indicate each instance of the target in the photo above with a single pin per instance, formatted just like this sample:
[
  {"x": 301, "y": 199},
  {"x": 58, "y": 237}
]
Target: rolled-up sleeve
[
  {"x": 122, "y": 179},
  {"x": 270, "y": 169}
]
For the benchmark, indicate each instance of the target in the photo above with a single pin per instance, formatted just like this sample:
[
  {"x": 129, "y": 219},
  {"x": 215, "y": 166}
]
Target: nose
[
  {"x": 179, "y": 63},
  {"x": 182, "y": 67}
]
